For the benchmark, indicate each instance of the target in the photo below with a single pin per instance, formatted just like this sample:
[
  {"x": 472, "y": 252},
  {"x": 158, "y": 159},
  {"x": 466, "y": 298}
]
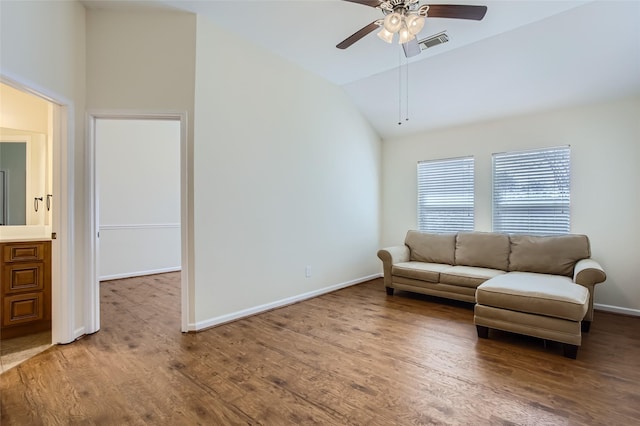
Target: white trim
[
  {"x": 64, "y": 225},
  {"x": 186, "y": 222},
  {"x": 93, "y": 307},
  {"x": 212, "y": 322},
  {"x": 63, "y": 308},
  {"x": 617, "y": 309},
  {"x": 139, "y": 273},
  {"x": 139, "y": 226},
  {"x": 92, "y": 299},
  {"x": 30, "y": 87}
]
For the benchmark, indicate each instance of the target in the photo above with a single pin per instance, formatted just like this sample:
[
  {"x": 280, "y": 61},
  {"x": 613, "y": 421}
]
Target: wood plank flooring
[{"x": 355, "y": 356}]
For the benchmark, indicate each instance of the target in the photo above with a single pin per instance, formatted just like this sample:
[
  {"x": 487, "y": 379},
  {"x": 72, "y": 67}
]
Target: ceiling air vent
[{"x": 434, "y": 40}]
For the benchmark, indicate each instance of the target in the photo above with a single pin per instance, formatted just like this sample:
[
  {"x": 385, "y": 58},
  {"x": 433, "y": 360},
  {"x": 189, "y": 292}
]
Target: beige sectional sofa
[{"x": 538, "y": 286}]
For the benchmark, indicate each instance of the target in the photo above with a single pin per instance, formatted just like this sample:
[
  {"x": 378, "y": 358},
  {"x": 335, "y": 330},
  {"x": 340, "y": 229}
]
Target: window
[
  {"x": 445, "y": 195},
  {"x": 531, "y": 191}
]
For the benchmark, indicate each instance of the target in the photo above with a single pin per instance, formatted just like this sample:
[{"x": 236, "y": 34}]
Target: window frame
[
  {"x": 528, "y": 210},
  {"x": 453, "y": 173}
]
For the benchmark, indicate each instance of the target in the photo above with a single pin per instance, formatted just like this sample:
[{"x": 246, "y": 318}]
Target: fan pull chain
[
  {"x": 400, "y": 86},
  {"x": 406, "y": 87}
]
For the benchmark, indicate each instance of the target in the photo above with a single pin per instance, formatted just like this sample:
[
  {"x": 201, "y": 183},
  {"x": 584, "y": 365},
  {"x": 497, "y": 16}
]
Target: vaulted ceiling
[{"x": 524, "y": 56}]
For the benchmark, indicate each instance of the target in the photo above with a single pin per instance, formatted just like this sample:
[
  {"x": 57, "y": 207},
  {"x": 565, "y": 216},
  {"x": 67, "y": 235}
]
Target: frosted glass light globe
[
  {"x": 393, "y": 22},
  {"x": 415, "y": 24},
  {"x": 386, "y": 35}
]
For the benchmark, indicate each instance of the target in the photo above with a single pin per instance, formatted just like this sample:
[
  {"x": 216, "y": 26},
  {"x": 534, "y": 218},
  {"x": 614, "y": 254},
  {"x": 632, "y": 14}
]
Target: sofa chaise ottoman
[
  {"x": 538, "y": 286},
  {"x": 549, "y": 307}
]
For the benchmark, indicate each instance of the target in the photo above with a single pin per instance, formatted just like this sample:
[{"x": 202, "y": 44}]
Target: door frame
[
  {"x": 93, "y": 291},
  {"x": 63, "y": 284}
]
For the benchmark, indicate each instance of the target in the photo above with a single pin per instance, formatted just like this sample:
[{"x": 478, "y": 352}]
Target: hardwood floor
[{"x": 355, "y": 356}]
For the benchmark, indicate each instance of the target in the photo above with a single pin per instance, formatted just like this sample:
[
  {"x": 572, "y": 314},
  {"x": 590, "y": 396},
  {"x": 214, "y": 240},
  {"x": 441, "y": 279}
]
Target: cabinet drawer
[
  {"x": 24, "y": 252},
  {"x": 21, "y": 277},
  {"x": 22, "y": 309}
]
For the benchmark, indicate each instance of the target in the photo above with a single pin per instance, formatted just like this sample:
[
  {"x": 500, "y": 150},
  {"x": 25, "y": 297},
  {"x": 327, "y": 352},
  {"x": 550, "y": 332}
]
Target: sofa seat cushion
[
  {"x": 467, "y": 276},
  {"x": 419, "y": 270},
  {"x": 542, "y": 294}
]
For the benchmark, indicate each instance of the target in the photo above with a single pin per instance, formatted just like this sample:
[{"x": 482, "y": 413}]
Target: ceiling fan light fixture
[
  {"x": 386, "y": 35},
  {"x": 405, "y": 35},
  {"x": 415, "y": 24},
  {"x": 407, "y": 17},
  {"x": 393, "y": 22}
]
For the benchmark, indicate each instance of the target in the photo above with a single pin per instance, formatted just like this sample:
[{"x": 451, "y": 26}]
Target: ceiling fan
[{"x": 406, "y": 18}]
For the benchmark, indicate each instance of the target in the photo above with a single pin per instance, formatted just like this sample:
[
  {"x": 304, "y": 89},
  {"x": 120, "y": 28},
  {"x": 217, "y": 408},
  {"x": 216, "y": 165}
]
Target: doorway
[
  {"x": 138, "y": 193},
  {"x": 137, "y": 172},
  {"x": 33, "y": 132}
]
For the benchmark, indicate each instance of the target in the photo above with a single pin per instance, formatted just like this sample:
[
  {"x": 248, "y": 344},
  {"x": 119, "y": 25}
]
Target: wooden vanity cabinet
[{"x": 25, "y": 290}]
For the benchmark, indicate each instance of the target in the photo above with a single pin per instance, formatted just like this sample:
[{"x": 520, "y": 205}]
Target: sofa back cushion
[
  {"x": 548, "y": 255},
  {"x": 430, "y": 247},
  {"x": 483, "y": 249}
]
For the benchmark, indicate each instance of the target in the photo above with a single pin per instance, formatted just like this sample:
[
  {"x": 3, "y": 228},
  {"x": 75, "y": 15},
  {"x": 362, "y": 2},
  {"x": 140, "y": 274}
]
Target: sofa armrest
[
  {"x": 588, "y": 272},
  {"x": 395, "y": 254},
  {"x": 389, "y": 257}
]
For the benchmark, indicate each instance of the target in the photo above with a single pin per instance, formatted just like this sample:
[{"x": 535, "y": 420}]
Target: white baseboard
[
  {"x": 212, "y": 322},
  {"x": 617, "y": 309},
  {"x": 139, "y": 273}
]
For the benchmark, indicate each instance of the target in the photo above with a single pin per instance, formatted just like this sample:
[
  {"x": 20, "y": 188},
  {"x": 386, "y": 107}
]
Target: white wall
[
  {"x": 286, "y": 175},
  {"x": 138, "y": 173},
  {"x": 144, "y": 61},
  {"x": 292, "y": 141},
  {"x": 42, "y": 45},
  {"x": 604, "y": 188}
]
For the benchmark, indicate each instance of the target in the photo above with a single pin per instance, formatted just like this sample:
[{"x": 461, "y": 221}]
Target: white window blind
[
  {"x": 531, "y": 191},
  {"x": 445, "y": 195}
]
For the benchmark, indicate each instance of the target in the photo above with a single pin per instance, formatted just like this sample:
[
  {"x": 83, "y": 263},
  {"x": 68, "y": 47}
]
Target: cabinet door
[
  {"x": 21, "y": 277},
  {"x": 22, "y": 308},
  {"x": 25, "y": 288},
  {"x": 24, "y": 252}
]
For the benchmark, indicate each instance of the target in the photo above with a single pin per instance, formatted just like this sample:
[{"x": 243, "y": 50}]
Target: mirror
[
  {"x": 26, "y": 132},
  {"x": 13, "y": 183},
  {"x": 23, "y": 168}
]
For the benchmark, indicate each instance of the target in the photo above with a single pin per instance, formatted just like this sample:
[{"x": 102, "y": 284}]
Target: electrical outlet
[{"x": 307, "y": 271}]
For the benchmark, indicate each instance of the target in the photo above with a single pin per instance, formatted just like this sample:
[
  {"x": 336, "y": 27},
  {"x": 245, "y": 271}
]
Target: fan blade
[
  {"x": 456, "y": 11},
  {"x": 372, "y": 3},
  {"x": 357, "y": 35},
  {"x": 411, "y": 48}
]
